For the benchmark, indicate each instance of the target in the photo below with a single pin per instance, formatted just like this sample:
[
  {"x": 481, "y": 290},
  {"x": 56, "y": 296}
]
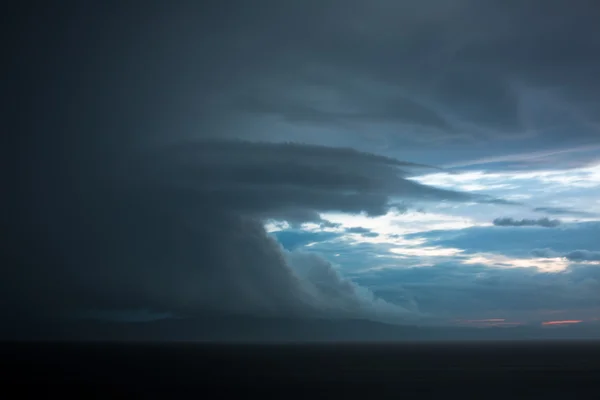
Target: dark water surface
[{"x": 520, "y": 369}]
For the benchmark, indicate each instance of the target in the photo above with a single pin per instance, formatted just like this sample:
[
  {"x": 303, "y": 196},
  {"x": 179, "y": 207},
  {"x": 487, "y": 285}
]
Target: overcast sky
[{"x": 408, "y": 161}]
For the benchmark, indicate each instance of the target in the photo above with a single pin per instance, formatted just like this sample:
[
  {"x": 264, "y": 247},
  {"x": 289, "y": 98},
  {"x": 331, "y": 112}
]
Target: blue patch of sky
[{"x": 517, "y": 241}]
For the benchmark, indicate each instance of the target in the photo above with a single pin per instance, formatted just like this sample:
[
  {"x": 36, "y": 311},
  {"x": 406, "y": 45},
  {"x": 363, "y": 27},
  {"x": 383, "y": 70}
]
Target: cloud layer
[
  {"x": 442, "y": 82},
  {"x": 544, "y": 222}
]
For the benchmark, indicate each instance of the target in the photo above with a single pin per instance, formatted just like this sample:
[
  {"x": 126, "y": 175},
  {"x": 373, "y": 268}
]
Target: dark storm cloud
[
  {"x": 97, "y": 224},
  {"x": 268, "y": 180},
  {"x": 413, "y": 72},
  {"x": 543, "y": 222},
  {"x": 178, "y": 228},
  {"x": 410, "y": 77}
]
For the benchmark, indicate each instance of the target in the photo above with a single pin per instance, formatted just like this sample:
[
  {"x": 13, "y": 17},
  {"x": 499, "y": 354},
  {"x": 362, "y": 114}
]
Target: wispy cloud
[
  {"x": 492, "y": 260},
  {"x": 565, "y": 211},
  {"x": 544, "y": 222},
  {"x": 547, "y": 157}
]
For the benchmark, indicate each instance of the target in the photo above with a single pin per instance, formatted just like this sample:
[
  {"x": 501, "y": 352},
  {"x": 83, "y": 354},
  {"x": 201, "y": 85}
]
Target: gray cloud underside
[
  {"x": 544, "y": 222},
  {"x": 492, "y": 79},
  {"x": 273, "y": 179},
  {"x": 406, "y": 78}
]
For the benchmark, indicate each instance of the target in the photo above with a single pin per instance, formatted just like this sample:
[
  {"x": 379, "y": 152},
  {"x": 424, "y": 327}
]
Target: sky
[{"x": 414, "y": 162}]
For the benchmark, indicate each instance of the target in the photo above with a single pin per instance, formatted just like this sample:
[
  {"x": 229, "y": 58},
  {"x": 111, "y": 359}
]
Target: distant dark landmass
[{"x": 254, "y": 329}]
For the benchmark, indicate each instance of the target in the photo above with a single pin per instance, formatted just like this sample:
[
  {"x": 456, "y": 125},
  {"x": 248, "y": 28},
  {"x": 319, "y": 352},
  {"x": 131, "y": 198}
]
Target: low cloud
[
  {"x": 575, "y": 255},
  {"x": 543, "y": 222},
  {"x": 358, "y": 229},
  {"x": 477, "y": 291},
  {"x": 365, "y": 232},
  {"x": 583, "y": 255},
  {"x": 340, "y": 295},
  {"x": 548, "y": 253}
]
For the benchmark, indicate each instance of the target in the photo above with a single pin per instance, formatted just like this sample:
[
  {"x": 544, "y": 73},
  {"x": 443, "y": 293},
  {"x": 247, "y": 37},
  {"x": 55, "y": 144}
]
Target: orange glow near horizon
[
  {"x": 488, "y": 322},
  {"x": 565, "y": 322}
]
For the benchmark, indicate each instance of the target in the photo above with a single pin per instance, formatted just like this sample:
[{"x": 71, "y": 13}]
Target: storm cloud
[
  {"x": 181, "y": 229},
  {"x": 151, "y": 153}
]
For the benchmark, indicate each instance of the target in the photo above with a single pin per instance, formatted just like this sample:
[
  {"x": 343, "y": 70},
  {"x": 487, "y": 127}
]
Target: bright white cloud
[
  {"x": 586, "y": 177},
  {"x": 426, "y": 251},
  {"x": 576, "y": 189},
  {"x": 275, "y": 226},
  {"x": 395, "y": 223}
]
